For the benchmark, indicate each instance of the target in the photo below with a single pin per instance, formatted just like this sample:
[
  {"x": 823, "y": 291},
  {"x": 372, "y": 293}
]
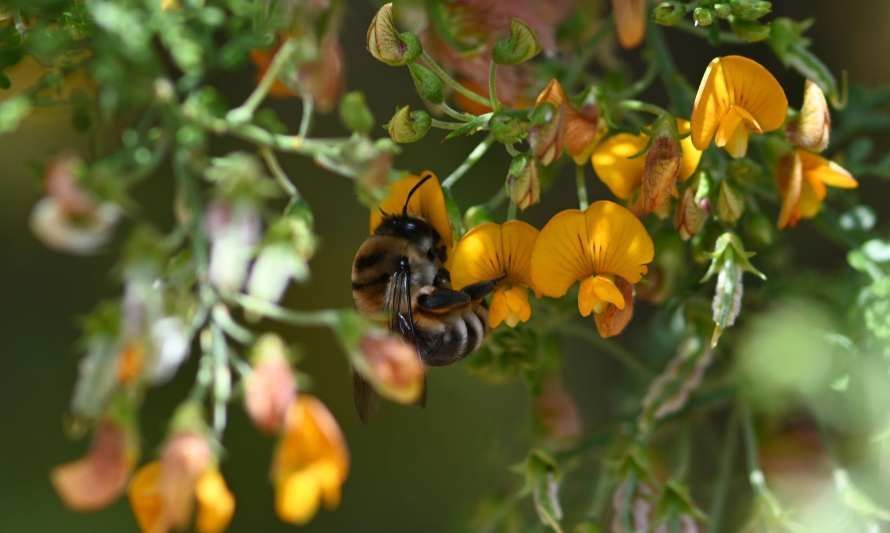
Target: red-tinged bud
[
  {"x": 584, "y": 129},
  {"x": 548, "y": 125},
  {"x": 185, "y": 457},
  {"x": 271, "y": 387},
  {"x": 690, "y": 216},
  {"x": 662, "y": 166},
  {"x": 613, "y": 320},
  {"x": 523, "y": 182},
  {"x": 100, "y": 477},
  {"x": 392, "y": 366}
]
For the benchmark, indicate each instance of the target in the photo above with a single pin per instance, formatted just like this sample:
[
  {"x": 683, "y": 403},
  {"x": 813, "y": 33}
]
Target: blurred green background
[{"x": 412, "y": 470}]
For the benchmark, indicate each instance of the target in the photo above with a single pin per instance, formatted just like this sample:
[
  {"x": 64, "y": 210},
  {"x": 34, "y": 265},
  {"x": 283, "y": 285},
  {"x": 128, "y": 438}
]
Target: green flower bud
[
  {"x": 476, "y": 215},
  {"x": 519, "y": 47},
  {"x": 668, "y": 13},
  {"x": 730, "y": 205},
  {"x": 749, "y": 31},
  {"x": 750, "y": 9},
  {"x": 759, "y": 230},
  {"x": 703, "y": 17},
  {"x": 723, "y": 11},
  {"x": 428, "y": 85},
  {"x": 386, "y": 44},
  {"x": 507, "y": 129},
  {"x": 408, "y": 126},
  {"x": 355, "y": 114}
]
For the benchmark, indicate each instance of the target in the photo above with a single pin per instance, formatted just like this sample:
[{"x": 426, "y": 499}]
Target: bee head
[{"x": 414, "y": 229}]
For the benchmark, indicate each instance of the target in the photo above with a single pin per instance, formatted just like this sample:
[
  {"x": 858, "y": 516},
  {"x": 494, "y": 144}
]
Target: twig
[
  {"x": 724, "y": 474},
  {"x": 451, "y": 82},
  {"x": 611, "y": 348},
  {"x": 278, "y": 173},
  {"x": 325, "y": 317},
  {"x": 283, "y": 56},
  {"x": 468, "y": 163},
  {"x": 581, "y": 186}
]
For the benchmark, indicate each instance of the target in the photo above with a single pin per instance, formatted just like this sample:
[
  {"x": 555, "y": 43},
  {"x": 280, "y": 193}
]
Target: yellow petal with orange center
[
  {"x": 613, "y": 164},
  {"x": 490, "y": 251},
  {"x": 216, "y": 505},
  {"x": 427, "y": 203},
  {"x": 145, "y": 498},
  {"x": 827, "y": 172},
  {"x": 597, "y": 292},
  {"x": 605, "y": 239},
  {"x": 509, "y": 306},
  {"x": 736, "y": 81}
]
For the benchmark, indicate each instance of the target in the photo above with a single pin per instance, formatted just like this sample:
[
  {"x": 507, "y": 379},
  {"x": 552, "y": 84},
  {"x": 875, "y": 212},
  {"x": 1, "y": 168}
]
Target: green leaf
[{"x": 13, "y": 112}]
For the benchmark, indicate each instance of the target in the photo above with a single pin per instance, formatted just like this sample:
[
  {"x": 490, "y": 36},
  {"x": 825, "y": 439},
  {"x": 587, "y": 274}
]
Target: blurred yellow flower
[
  {"x": 147, "y": 493},
  {"x": 623, "y": 175},
  {"x": 428, "y": 203},
  {"x": 630, "y": 21},
  {"x": 606, "y": 248},
  {"x": 803, "y": 177},
  {"x": 311, "y": 462},
  {"x": 498, "y": 251},
  {"x": 736, "y": 96}
]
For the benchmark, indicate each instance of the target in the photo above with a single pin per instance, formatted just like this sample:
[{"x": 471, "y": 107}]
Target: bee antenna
[{"x": 413, "y": 190}]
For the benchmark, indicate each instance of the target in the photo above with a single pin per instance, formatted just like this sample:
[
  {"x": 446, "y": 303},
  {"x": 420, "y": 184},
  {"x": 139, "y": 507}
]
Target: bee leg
[
  {"x": 442, "y": 279},
  {"x": 441, "y": 300},
  {"x": 482, "y": 289}
]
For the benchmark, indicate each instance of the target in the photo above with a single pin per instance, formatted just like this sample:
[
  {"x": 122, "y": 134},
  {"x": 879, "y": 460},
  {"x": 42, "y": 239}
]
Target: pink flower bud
[{"x": 272, "y": 387}]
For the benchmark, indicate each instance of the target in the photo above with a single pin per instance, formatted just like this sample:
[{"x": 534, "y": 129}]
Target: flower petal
[
  {"x": 613, "y": 320},
  {"x": 596, "y": 293},
  {"x": 630, "y": 21},
  {"x": 297, "y": 498},
  {"x": 145, "y": 499},
  {"x": 711, "y": 102},
  {"x": 612, "y": 164},
  {"x": 790, "y": 177},
  {"x": 691, "y": 154},
  {"x": 518, "y": 241},
  {"x": 216, "y": 505},
  {"x": 427, "y": 203},
  {"x": 753, "y": 88},
  {"x": 490, "y": 251},
  {"x": 827, "y": 172},
  {"x": 560, "y": 256},
  {"x": 499, "y": 310},
  {"x": 617, "y": 241}
]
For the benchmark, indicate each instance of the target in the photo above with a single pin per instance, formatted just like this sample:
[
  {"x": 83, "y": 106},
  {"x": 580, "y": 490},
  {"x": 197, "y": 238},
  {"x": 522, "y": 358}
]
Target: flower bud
[
  {"x": 355, "y": 114},
  {"x": 812, "y": 128},
  {"x": 730, "y": 205},
  {"x": 519, "y": 47},
  {"x": 750, "y": 9},
  {"x": 547, "y": 132},
  {"x": 386, "y": 44},
  {"x": 234, "y": 231},
  {"x": 523, "y": 182},
  {"x": 630, "y": 21},
  {"x": 750, "y": 31},
  {"x": 392, "y": 366},
  {"x": 729, "y": 261},
  {"x": 97, "y": 479},
  {"x": 408, "y": 126},
  {"x": 186, "y": 455},
  {"x": 689, "y": 216},
  {"x": 271, "y": 387},
  {"x": 584, "y": 129},
  {"x": 428, "y": 85},
  {"x": 662, "y": 165},
  {"x": 668, "y": 13},
  {"x": 703, "y": 17}
]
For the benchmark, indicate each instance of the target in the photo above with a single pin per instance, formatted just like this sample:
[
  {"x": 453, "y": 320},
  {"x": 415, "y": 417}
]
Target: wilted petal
[
  {"x": 613, "y": 320},
  {"x": 100, "y": 477}
]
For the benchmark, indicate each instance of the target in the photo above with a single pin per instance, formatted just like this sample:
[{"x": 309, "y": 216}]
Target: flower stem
[
  {"x": 325, "y": 317},
  {"x": 308, "y": 111},
  {"x": 511, "y": 210},
  {"x": 445, "y": 125},
  {"x": 245, "y": 111},
  {"x": 587, "y": 52},
  {"x": 222, "y": 380},
  {"x": 492, "y": 86},
  {"x": 581, "y": 187},
  {"x": 755, "y": 474},
  {"x": 468, "y": 163},
  {"x": 451, "y": 82},
  {"x": 724, "y": 473},
  {"x": 455, "y": 114},
  {"x": 278, "y": 173},
  {"x": 637, "y": 105}
]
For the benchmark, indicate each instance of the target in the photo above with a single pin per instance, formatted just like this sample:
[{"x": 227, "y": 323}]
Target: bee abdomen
[{"x": 452, "y": 338}]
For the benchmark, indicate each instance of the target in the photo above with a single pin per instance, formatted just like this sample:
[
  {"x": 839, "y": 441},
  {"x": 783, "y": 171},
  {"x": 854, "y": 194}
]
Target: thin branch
[
  {"x": 581, "y": 186},
  {"x": 278, "y": 173},
  {"x": 468, "y": 163},
  {"x": 252, "y": 304},
  {"x": 283, "y": 56},
  {"x": 451, "y": 82}
]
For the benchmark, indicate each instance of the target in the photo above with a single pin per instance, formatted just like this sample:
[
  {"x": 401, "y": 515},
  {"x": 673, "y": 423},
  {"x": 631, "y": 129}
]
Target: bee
[{"x": 399, "y": 273}]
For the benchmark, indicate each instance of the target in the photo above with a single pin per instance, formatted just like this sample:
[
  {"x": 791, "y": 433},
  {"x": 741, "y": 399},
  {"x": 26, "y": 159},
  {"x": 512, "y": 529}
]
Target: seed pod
[
  {"x": 668, "y": 13},
  {"x": 408, "y": 126}
]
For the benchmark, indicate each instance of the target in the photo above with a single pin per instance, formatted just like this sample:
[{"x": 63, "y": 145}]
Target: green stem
[
  {"x": 637, "y": 105},
  {"x": 492, "y": 86},
  {"x": 308, "y": 111},
  {"x": 722, "y": 37},
  {"x": 222, "y": 380},
  {"x": 755, "y": 474},
  {"x": 674, "y": 83},
  {"x": 444, "y": 125},
  {"x": 724, "y": 474},
  {"x": 278, "y": 173},
  {"x": 282, "y": 58},
  {"x": 468, "y": 163},
  {"x": 511, "y": 210},
  {"x": 587, "y": 53},
  {"x": 581, "y": 187},
  {"x": 451, "y": 82},
  {"x": 455, "y": 114},
  {"x": 325, "y": 317},
  {"x": 611, "y": 348}
]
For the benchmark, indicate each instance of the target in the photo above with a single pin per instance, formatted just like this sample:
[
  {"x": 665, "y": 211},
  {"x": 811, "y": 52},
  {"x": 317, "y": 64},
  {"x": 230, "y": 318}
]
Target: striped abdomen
[{"x": 445, "y": 338}]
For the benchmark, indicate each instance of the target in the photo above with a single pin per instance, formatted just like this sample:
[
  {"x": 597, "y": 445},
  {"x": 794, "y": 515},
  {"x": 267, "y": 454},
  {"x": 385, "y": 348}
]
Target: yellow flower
[
  {"x": 493, "y": 251},
  {"x": 802, "y": 178},
  {"x": 606, "y": 248},
  {"x": 311, "y": 462},
  {"x": 216, "y": 505},
  {"x": 630, "y": 21},
  {"x": 736, "y": 96},
  {"x": 427, "y": 203},
  {"x": 622, "y": 175}
]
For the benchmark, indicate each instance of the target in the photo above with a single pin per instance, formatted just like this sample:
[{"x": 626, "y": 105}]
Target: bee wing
[{"x": 365, "y": 399}]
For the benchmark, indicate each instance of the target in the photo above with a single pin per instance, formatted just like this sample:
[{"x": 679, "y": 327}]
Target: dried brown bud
[
  {"x": 662, "y": 167},
  {"x": 548, "y": 123},
  {"x": 584, "y": 129},
  {"x": 689, "y": 216},
  {"x": 523, "y": 182}
]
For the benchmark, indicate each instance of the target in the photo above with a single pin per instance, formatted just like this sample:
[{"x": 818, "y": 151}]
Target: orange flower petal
[
  {"x": 827, "y": 172},
  {"x": 617, "y": 241},
  {"x": 490, "y": 251},
  {"x": 216, "y": 505},
  {"x": 613, "y": 166},
  {"x": 560, "y": 257},
  {"x": 427, "y": 203}
]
